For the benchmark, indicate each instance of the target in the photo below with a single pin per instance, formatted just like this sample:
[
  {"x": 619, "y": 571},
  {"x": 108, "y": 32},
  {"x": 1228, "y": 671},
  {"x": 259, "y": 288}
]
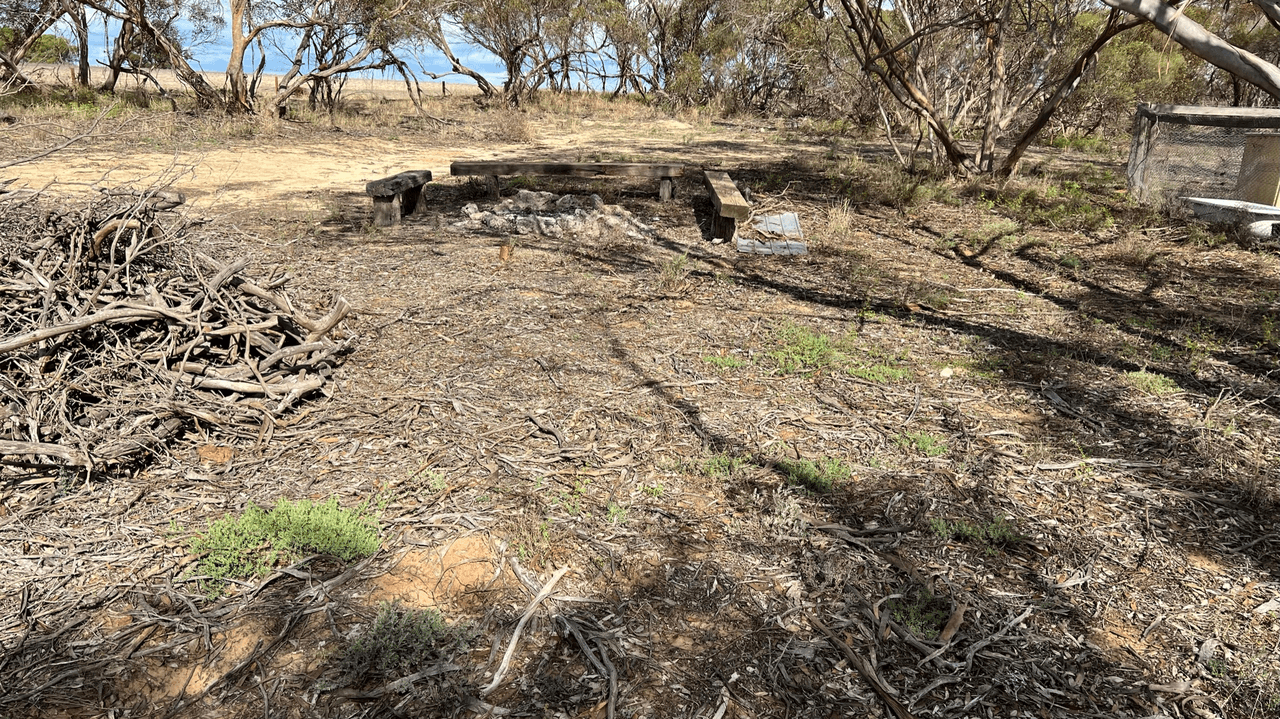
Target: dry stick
[
  {"x": 45, "y": 449},
  {"x": 397, "y": 685},
  {"x": 130, "y": 314},
  {"x": 321, "y": 327},
  {"x": 582, "y": 643},
  {"x": 864, "y": 668},
  {"x": 613, "y": 678},
  {"x": 968, "y": 660},
  {"x": 515, "y": 637}
]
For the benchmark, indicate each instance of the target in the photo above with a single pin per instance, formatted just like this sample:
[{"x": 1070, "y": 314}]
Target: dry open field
[{"x": 1014, "y": 447}]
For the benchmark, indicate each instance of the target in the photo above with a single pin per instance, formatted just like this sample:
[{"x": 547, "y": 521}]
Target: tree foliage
[{"x": 971, "y": 82}]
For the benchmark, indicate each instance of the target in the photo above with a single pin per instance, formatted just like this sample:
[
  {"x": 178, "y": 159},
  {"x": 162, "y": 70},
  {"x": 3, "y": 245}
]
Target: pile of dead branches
[{"x": 115, "y": 335}]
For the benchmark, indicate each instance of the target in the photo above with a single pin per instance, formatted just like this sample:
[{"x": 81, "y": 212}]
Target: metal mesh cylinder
[{"x": 1186, "y": 151}]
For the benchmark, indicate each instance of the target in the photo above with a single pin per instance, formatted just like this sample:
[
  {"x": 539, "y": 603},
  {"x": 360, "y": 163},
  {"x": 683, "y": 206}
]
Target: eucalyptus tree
[
  {"x": 1175, "y": 22},
  {"x": 339, "y": 37},
  {"x": 157, "y": 25},
  {"x": 429, "y": 21},
  {"x": 537, "y": 41},
  {"x": 330, "y": 38},
  {"x": 971, "y": 68},
  {"x": 22, "y": 24}
]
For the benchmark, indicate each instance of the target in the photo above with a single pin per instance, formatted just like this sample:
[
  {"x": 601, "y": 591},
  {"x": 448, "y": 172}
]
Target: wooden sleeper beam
[
  {"x": 729, "y": 204},
  {"x": 571, "y": 169},
  {"x": 492, "y": 170}
]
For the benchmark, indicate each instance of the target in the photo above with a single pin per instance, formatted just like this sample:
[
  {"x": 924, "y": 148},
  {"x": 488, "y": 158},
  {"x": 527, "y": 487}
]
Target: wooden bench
[
  {"x": 396, "y": 196},
  {"x": 730, "y": 205},
  {"x": 493, "y": 170}
]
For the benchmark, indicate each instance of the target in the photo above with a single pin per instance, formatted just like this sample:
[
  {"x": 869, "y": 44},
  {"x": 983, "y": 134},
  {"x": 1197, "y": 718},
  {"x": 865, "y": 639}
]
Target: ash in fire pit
[{"x": 543, "y": 213}]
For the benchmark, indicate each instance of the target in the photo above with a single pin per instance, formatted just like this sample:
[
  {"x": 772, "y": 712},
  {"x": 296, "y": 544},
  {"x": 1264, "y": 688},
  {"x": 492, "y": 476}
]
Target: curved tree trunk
[
  {"x": 119, "y": 55},
  {"x": 1203, "y": 44},
  {"x": 237, "y": 84},
  {"x": 135, "y": 12},
  {"x": 1065, "y": 89},
  {"x": 435, "y": 35}
]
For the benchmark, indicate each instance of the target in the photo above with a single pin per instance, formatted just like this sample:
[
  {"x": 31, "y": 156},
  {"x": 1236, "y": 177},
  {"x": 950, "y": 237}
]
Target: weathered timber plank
[
  {"x": 397, "y": 184},
  {"x": 386, "y": 210},
  {"x": 1241, "y": 117},
  {"x": 572, "y": 169},
  {"x": 723, "y": 228},
  {"x": 725, "y": 196},
  {"x": 1139, "y": 149}
]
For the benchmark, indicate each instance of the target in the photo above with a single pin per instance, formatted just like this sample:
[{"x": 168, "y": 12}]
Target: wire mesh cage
[{"x": 1187, "y": 151}]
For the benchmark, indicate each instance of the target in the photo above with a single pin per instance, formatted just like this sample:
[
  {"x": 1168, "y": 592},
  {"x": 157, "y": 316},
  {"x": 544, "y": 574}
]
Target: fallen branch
[
  {"x": 515, "y": 636},
  {"x": 864, "y": 668}
]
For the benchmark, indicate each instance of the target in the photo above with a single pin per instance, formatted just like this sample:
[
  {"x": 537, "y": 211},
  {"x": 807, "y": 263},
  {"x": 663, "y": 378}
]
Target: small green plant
[
  {"x": 1094, "y": 145},
  {"x": 1205, "y": 236},
  {"x": 920, "y": 611},
  {"x": 572, "y": 500},
  {"x": 986, "y": 366},
  {"x": 252, "y": 544},
  {"x": 927, "y": 444},
  {"x": 725, "y": 361},
  {"x": 653, "y": 490},
  {"x": 1218, "y": 668},
  {"x": 435, "y": 481},
  {"x": 724, "y": 466},
  {"x": 991, "y": 231},
  {"x": 1151, "y": 383},
  {"x": 1070, "y": 261},
  {"x": 401, "y": 641},
  {"x": 1064, "y": 207},
  {"x": 617, "y": 514},
  {"x": 803, "y": 350},
  {"x": 674, "y": 271},
  {"x": 993, "y": 534},
  {"x": 821, "y": 476}
]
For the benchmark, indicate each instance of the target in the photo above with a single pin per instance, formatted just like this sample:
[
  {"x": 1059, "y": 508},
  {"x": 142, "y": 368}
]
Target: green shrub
[
  {"x": 47, "y": 48},
  {"x": 802, "y": 350},
  {"x": 1151, "y": 383},
  {"x": 725, "y": 361},
  {"x": 1095, "y": 145},
  {"x": 255, "y": 542},
  {"x": 928, "y": 444},
  {"x": 821, "y": 476},
  {"x": 401, "y": 641},
  {"x": 920, "y": 611},
  {"x": 997, "y": 533},
  {"x": 723, "y": 465}
]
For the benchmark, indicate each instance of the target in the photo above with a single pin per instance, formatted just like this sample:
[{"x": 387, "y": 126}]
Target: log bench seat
[
  {"x": 396, "y": 196},
  {"x": 730, "y": 205},
  {"x": 493, "y": 170}
]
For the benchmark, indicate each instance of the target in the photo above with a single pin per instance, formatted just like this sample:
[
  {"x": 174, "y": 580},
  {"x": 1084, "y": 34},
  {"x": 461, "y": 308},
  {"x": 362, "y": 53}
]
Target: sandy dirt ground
[
  {"x": 293, "y": 168},
  {"x": 1015, "y": 447}
]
